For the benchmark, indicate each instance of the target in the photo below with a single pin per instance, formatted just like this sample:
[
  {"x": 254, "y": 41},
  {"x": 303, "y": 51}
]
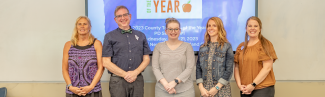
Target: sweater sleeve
[{"x": 190, "y": 62}]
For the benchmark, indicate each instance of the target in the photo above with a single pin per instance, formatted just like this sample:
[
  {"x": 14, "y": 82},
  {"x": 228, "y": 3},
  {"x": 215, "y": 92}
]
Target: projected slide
[{"x": 148, "y": 16}]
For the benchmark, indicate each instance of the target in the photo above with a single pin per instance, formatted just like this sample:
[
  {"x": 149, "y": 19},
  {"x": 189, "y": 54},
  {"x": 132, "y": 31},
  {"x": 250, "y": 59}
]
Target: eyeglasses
[
  {"x": 171, "y": 30},
  {"x": 124, "y": 15}
]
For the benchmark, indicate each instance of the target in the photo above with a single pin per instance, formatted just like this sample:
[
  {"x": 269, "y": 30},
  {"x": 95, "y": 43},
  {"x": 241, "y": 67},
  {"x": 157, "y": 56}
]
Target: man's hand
[{"x": 131, "y": 76}]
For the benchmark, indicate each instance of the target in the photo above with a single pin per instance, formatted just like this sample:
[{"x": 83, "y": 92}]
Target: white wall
[
  {"x": 33, "y": 34},
  {"x": 297, "y": 30}
]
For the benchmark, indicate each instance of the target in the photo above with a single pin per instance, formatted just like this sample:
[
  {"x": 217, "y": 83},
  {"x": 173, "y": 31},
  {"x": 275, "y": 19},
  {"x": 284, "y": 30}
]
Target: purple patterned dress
[{"x": 83, "y": 67}]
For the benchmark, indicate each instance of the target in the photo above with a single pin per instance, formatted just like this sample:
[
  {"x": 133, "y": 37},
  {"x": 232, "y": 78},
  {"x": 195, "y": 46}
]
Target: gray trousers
[
  {"x": 119, "y": 87},
  {"x": 265, "y": 92}
]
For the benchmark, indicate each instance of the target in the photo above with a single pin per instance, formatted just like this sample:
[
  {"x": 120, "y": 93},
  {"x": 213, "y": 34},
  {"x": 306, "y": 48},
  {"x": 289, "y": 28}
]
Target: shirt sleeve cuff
[
  {"x": 147, "y": 53},
  {"x": 159, "y": 78},
  {"x": 200, "y": 80},
  {"x": 223, "y": 81}
]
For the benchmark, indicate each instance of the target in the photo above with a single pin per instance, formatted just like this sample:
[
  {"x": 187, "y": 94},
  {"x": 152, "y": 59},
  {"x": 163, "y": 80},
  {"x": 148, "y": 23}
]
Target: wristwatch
[
  {"x": 217, "y": 87},
  {"x": 69, "y": 85},
  {"x": 176, "y": 81},
  {"x": 253, "y": 84}
]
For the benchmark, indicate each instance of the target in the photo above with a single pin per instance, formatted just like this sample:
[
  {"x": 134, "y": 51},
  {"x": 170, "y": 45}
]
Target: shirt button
[
  {"x": 129, "y": 43},
  {"x": 129, "y": 50},
  {"x": 129, "y": 67},
  {"x": 130, "y": 59},
  {"x": 127, "y": 35}
]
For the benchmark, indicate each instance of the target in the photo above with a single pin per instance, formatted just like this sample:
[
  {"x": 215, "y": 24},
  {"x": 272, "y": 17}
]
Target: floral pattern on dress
[{"x": 225, "y": 91}]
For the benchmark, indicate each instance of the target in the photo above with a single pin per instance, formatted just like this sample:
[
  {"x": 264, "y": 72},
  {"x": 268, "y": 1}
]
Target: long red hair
[{"x": 222, "y": 35}]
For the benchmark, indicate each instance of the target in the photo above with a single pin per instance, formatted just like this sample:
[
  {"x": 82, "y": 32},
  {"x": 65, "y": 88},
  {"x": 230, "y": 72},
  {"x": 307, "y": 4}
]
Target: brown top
[{"x": 253, "y": 63}]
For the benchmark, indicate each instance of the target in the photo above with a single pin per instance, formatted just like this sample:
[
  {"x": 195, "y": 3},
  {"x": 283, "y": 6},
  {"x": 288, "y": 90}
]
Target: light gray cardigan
[{"x": 170, "y": 64}]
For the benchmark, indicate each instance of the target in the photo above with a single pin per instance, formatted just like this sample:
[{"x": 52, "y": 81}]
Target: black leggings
[{"x": 265, "y": 92}]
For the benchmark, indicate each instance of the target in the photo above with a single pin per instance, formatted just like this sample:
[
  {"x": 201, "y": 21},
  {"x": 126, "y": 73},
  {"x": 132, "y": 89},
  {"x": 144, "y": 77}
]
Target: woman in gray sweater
[{"x": 173, "y": 63}]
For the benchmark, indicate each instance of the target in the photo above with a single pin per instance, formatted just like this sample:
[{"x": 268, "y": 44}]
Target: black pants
[
  {"x": 119, "y": 87},
  {"x": 265, "y": 92}
]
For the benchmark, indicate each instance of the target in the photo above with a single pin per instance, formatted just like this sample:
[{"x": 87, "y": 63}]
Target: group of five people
[{"x": 125, "y": 54}]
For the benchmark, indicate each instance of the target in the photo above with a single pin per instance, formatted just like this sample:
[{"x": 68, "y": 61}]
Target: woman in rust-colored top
[{"x": 254, "y": 62}]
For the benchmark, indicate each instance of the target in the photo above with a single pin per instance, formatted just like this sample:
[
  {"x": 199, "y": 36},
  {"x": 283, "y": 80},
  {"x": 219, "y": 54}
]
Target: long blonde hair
[
  {"x": 222, "y": 35},
  {"x": 265, "y": 43},
  {"x": 74, "y": 38}
]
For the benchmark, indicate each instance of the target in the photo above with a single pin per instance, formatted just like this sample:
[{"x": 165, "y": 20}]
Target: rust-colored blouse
[{"x": 253, "y": 63}]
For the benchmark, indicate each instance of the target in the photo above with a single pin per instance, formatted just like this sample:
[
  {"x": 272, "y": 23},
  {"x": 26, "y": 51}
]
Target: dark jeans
[
  {"x": 94, "y": 94},
  {"x": 118, "y": 87},
  {"x": 265, "y": 92}
]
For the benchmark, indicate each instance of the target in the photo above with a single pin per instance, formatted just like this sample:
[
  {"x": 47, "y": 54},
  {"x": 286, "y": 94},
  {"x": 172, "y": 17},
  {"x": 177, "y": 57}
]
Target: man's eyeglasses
[
  {"x": 171, "y": 30},
  {"x": 124, "y": 15}
]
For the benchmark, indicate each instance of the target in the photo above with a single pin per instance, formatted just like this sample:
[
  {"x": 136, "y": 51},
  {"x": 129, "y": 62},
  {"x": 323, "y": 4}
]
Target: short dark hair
[{"x": 120, "y": 7}]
